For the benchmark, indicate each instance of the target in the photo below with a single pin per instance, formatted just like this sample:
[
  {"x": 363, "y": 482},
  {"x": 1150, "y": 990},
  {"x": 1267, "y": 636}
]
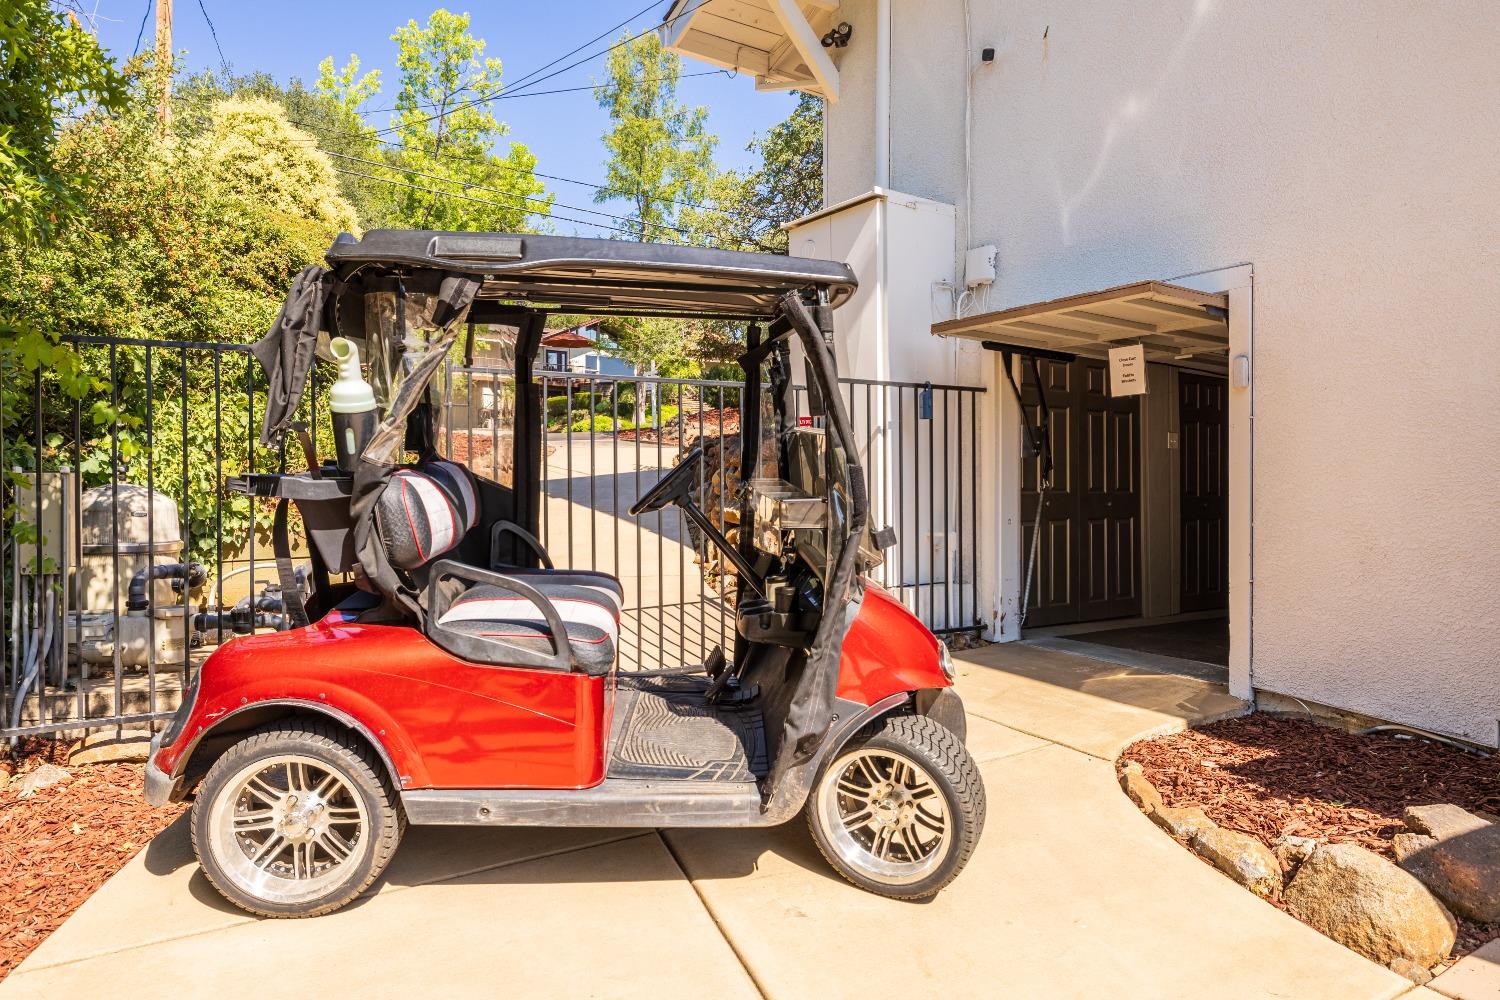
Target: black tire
[
  {"x": 940, "y": 757},
  {"x": 366, "y": 788}
]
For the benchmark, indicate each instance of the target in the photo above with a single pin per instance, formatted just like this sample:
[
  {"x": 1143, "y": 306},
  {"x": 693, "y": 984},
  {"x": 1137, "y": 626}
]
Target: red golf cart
[{"x": 441, "y": 670}]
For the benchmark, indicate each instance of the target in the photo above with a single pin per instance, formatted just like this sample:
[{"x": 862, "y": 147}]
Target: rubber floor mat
[{"x": 665, "y": 729}]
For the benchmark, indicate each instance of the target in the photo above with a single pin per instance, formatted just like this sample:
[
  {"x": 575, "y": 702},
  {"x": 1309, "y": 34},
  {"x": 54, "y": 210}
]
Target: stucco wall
[{"x": 1351, "y": 154}]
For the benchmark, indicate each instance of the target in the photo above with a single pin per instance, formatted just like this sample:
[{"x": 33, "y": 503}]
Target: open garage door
[{"x": 1116, "y": 464}]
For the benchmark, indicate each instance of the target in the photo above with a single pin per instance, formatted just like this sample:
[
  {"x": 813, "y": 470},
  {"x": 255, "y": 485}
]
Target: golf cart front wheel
[
  {"x": 295, "y": 820},
  {"x": 899, "y": 809}
]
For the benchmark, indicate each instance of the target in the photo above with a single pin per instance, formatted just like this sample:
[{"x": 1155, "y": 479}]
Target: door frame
[{"x": 1003, "y": 543}]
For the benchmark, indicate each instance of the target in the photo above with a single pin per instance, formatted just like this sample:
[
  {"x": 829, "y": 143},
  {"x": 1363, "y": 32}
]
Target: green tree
[
  {"x": 333, "y": 111},
  {"x": 447, "y": 130},
  {"x": 660, "y": 150},
  {"x": 192, "y": 237},
  {"x": 50, "y": 69},
  {"x": 329, "y": 113},
  {"x": 660, "y": 157},
  {"x": 254, "y": 155},
  {"x": 747, "y": 212}
]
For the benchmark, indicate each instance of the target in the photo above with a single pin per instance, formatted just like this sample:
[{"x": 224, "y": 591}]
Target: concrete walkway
[{"x": 1072, "y": 893}]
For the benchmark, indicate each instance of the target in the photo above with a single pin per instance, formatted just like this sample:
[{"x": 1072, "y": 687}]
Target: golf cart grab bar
[
  {"x": 479, "y": 650},
  {"x": 502, "y": 528}
]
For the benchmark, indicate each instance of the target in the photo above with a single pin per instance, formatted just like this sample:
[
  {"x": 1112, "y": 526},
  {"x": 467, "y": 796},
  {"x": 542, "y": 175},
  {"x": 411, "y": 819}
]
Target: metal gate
[
  {"x": 176, "y": 419},
  {"x": 609, "y": 438}
]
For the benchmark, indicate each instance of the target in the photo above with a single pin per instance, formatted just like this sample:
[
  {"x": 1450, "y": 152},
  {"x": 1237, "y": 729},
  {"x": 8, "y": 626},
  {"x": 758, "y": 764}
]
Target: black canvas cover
[
  {"x": 286, "y": 352},
  {"x": 810, "y": 711},
  {"x": 382, "y": 455}
]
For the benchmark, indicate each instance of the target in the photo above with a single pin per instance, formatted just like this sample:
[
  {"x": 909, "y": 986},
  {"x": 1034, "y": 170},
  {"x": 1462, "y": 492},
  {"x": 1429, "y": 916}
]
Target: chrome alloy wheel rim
[
  {"x": 884, "y": 816},
  {"x": 288, "y": 828}
]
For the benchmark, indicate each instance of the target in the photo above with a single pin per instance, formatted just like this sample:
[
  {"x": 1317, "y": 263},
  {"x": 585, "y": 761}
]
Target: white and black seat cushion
[
  {"x": 425, "y": 511},
  {"x": 589, "y": 607}
]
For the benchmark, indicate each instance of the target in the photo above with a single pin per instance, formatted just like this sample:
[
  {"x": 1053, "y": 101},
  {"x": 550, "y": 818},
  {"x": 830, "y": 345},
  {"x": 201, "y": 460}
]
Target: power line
[
  {"x": 508, "y": 194},
  {"x": 521, "y": 86},
  {"x": 560, "y": 90},
  {"x": 215, "y": 35},
  {"x": 478, "y": 201},
  {"x": 607, "y": 31},
  {"x": 141, "y": 31},
  {"x": 452, "y": 158},
  {"x": 502, "y": 166},
  {"x": 617, "y": 45}
]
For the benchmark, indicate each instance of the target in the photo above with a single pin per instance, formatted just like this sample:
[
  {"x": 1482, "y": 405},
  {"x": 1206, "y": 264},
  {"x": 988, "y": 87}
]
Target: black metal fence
[{"x": 131, "y": 478}]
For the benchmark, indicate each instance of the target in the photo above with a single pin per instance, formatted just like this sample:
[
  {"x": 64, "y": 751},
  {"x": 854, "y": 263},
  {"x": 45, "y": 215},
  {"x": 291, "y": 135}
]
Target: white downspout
[{"x": 882, "y": 93}]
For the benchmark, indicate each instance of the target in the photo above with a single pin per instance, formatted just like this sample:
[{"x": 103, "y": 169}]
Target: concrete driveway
[{"x": 1072, "y": 893}]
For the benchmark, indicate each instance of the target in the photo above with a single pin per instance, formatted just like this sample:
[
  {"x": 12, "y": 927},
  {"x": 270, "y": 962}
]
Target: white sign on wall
[{"x": 1127, "y": 371}]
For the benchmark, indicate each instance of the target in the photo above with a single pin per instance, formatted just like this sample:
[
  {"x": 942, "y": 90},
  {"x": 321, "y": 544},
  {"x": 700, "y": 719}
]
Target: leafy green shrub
[
  {"x": 667, "y": 418},
  {"x": 598, "y": 423}
]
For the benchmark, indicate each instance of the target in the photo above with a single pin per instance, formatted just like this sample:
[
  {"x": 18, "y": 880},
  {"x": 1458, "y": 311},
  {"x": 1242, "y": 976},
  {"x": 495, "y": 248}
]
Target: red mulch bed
[
  {"x": 61, "y": 844},
  {"x": 691, "y": 423},
  {"x": 1269, "y": 776}
]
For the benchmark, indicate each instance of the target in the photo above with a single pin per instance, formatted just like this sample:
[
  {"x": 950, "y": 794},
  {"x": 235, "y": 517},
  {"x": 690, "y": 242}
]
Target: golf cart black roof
[{"x": 577, "y": 274}]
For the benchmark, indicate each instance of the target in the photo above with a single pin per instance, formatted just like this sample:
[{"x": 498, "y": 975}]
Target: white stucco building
[{"x": 1316, "y": 188}]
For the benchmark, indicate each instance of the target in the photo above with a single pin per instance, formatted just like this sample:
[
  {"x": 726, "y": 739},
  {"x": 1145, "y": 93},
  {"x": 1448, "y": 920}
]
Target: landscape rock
[
  {"x": 1144, "y": 794},
  {"x": 1292, "y": 850},
  {"x": 1456, "y": 854},
  {"x": 1367, "y": 904},
  {"x": 1183, "y": 822},
  {"x": 44, "y": 776},
  {"x": 130, "y": 746},
  {"x": 1242, "y": 858},
  {"x": 1411, "y": 970}
]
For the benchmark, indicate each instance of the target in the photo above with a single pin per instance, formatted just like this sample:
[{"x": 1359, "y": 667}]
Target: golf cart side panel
[
  {"x": 884, "y": 654},
  {"x": 442, "y": 722}
]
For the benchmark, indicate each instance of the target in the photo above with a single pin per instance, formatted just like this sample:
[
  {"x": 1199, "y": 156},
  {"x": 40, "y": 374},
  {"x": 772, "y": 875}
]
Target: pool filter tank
[
  {"x": 352, "y": 402},
  {"x": 133, "y": 586}
]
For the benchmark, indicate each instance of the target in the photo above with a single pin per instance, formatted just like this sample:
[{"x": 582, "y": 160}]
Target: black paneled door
[
  {"x": 1088, "y": 553},
  {"x": 1205, "y": 492}
]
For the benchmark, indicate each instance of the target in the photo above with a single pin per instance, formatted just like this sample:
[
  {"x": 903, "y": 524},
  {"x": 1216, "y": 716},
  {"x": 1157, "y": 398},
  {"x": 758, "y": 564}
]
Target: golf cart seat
[
  {"x": 590, "y": 618},
  {"x": 505, "y": 619}
]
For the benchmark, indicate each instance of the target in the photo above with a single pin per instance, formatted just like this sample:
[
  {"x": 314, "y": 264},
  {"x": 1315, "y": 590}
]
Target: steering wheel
[{"x": 672, "y": 487}]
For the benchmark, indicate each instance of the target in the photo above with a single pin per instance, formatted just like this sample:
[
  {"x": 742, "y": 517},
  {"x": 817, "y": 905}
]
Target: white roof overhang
[
  {"x": 775, "y": 41},
  {"x": 1177, "y": 326}
]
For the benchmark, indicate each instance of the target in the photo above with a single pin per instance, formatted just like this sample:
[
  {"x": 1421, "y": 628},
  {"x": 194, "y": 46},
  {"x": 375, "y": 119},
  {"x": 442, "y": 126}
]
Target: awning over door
[
  {"x": 778, "y": 42},
  {"x": 1178, "y": 326}
]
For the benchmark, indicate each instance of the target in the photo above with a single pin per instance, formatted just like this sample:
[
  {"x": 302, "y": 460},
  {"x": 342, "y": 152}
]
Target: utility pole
[{"x": 164, "y": 64}]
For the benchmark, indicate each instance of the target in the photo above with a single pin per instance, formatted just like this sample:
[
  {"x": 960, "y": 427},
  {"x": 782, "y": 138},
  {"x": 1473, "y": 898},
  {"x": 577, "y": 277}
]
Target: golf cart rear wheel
[
  {"x": 295, "y": 820},
  {"x": 899, "y": 809}
]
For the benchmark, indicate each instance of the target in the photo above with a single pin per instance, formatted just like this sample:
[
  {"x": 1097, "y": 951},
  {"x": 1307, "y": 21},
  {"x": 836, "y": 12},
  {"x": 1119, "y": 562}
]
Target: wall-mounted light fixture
[
  {"x": 1239, "y": 371},
  {"x": 838, "y": 36}
]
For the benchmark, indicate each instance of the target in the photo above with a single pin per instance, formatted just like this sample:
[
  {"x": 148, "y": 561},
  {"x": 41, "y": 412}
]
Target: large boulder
[
  {"x": 1242, "y": 858},
  {"x": 1366, "y": 903},
  {"x": 1456, "y": 854}
]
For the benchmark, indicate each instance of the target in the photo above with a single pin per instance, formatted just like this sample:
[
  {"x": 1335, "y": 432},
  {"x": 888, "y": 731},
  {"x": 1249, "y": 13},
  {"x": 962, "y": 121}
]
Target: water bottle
[{"x": 352, "y": 402}]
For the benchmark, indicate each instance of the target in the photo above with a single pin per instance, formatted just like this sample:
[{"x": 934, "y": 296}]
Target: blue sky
[{"x": 287, "y": 39}]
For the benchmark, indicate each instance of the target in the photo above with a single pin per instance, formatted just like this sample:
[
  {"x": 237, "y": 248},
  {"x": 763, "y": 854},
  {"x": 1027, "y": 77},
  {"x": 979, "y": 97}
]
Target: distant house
[{"x": 577, "y": 349}]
